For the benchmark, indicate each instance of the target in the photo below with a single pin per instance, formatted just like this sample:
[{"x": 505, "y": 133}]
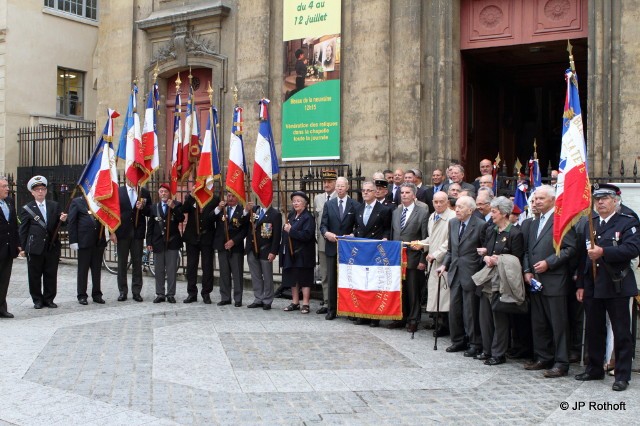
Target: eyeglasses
[{"x": 40, "y": 188}]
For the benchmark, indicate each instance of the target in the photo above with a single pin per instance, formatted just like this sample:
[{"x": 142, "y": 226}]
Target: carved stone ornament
[
  {"x": 557, "y": 10},
  {"x": 490, "y": 16},
  {"x": 183, "y": 43}
]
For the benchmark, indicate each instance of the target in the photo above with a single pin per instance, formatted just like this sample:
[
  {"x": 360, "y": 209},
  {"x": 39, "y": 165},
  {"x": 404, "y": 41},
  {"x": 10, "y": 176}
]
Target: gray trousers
[
  {"x": 130, "y": 248},
  {"x": 494, "y": 327},
  {"x": 463, "y": 316},
  {"x": 322, "y": 268},
  {"x": 261, "y": 278},
  {"x": 230, "y": 265},
  {"x": 550, "y": 325},
  {"x": 166, "y": 265}
]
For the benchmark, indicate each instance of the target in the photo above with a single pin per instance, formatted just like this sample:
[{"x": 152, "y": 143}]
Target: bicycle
[{"x": 110, "y": 259}]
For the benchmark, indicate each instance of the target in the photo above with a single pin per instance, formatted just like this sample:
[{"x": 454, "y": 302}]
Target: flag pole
[{"x": 135, "y": 110}]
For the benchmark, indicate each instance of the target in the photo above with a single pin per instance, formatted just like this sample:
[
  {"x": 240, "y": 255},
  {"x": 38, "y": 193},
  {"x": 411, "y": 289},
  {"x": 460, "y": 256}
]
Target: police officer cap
[
  {"x": 299, "y": 194},
  {"x": 605, "y": 190},
  {"x": 381, "y": 183},
  {"x": 36, "y": 181},
  {"x": 329, "y": 175}
]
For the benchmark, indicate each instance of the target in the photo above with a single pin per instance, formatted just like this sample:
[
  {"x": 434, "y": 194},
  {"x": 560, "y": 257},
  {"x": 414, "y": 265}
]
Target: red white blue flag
[
  {"x": 130, "y": 147},
  {"x": 370, "y": 278},
  {"x": 191, "y": 140},
  {"x": 176, "y": 157},
  {"x": 99, "y": 180},
  {"x": 150, "y": 134},
  {"x": 209, "y": 164},
  {"x": 265, "y": 166},
  {"x": 236, "y": 166},
  {"x": 573, "y": 191}
]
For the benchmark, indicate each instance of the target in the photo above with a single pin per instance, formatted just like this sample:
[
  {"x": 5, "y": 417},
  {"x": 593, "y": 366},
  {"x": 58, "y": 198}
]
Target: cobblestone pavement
[{"x": 142, "y": 363}]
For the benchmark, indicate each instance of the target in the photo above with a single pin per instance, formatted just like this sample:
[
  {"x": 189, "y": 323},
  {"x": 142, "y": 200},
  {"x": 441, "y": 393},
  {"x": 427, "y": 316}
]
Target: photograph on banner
[{"x": 311, "y": 80}]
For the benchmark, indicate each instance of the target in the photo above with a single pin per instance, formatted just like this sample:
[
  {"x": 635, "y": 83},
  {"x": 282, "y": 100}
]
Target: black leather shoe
[
  {"x": 266, "y": 307},
  {"x": 99, "y": 300},
  {"x": 223, "y": 302},
  {"x": 137, "y": 298},
  {"x": 374, "y": 323},
  {"x": 396, "y": 324},
  {"x": 37, "y": 305},
  {"x": 471, "y": 352},
  {"x": 51, "y": 305},
  {"x": 255, "y": 305},
  {"x": 158, "y": 299},
  {"x": 519, "y": 354},
  {"x": 456, "y": 348},
  {"x": 495, "y": 360},
  {"x": 482, "y": 356},
  {"x": 122, "y": 297},
  {"x": 190, "y": 299},
  {"x": 322, "y": 310},
  {"x": 554, "y": 372},
  {"x": 586, "y": 377},
  {"x": 620, "y": 385},
  {"x": 171, "y": 299},
  {"x": 5, "y": 314},
  {"x": 237, "y": 304},
  {"x": 206, "y": 299},
  {"x": 537, "y": 365},
  {"x": 83, "y": 301},
  {"x": 330, "y": 316}
]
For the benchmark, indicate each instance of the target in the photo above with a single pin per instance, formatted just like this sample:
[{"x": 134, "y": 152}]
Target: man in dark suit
[
  {"x": 410, "y": 223},
  {"x": 266, "y": 228},
  {"x": 9, "y": 243},
  {"x": 394, "y": 188},
  {"x": 456, "y": 174},
  {"x": 198, "y": 237},
  {"x": 617, "y": 242},
  {"x": 549, "y": 316},
  {"x": 231, "y": 229},
  {"x": 129, "y": 237},
  {"x": 338, "y": 218},
  {"x": 87, "y": 236},
  {"x": 466, "y": 233},
  {"x": 410, "y": 176},
  {"x": 38, "y": 225},
  {"x": 165, "y": 241},
  {"x": 437, "y": 185},
  {"x": 382, "y": 190}
]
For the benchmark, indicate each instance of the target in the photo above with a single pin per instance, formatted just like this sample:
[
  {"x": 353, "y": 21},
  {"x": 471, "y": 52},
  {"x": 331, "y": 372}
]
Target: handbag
[{"x": 509, "y": 308}]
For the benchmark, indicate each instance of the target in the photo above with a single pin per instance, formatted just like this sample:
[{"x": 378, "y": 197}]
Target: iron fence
[{"x": 56, "y": 145}]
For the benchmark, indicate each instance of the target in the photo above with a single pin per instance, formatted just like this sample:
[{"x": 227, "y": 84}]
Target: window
[
  {"x": 70, "y": 93},
  {"x": 83, "y": 8}
]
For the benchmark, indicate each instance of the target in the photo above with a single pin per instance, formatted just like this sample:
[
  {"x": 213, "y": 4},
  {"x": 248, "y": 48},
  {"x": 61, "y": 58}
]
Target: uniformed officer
[
  {"x": 382, "y": 190},
  {"x": 87, "y": 236},
  {"x": 617, "y": 241},
  {"x": 9, "y": 243},
  {"x": 39, "y": 239}
]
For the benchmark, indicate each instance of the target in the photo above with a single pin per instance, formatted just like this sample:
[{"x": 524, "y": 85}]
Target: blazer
[
  {"x": 34, "y": 239},
  {"x": 379, "y": 224},
  {"x": 202, "y": 229},
  {"x": 555, "y": 281},
  {"x": 157, "y": 227},
  {"x": 318, "y": 205},
  {"x": 84, "y": 229},
  {"x": 331, "y": 222},
  {"x": 127, "y": 228},
  {"x": 238, "y": 225},
  {"x": 268, "y": 232},
  {"x": 416, "y": 228},
  {"x": 462, "y": 259},
  {"x": 510, "y": 241},
  {"x": 9, "y": 237},
  {"x": 302, "y": 235}
]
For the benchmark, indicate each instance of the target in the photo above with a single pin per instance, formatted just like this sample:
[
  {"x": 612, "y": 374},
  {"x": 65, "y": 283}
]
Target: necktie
[
  {"x": 436, "y": 217},
  {"x": 328, "y": 196},
  {"x": 261, "y": 214},
  {"x": 367, "y": 214},
  {"x": 602, "y": 223},
  {"x": 43, "y": 210},
  {"x": 541, "y": 225},
  {"x": 132, "y": 197},
  {"x": 164, "y": 209},
  {"x": 462, "y": 227},
  {"x": 403, "y": 218},
  {"x": 341, "y": 209},
  {"x": 229, "y": 213},
  {"x": 5, "y": 209}
]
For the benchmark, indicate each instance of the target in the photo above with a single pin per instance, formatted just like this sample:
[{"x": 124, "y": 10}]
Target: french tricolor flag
[
  {"x": 150, "y": 134},
  {"x": 176, "y": 157},
  {"x": 265, "y": 166},
  {"x": 209, "y": 164},
  {"x": 191, "y": 141},
  {"x": 369, "y": 278},
  {"x": 236, "y": 166},
  {"x": 130, "y": 147}
]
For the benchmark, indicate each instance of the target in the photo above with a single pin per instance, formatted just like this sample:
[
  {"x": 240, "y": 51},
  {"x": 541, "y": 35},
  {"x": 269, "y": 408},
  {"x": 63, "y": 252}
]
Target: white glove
[{"x": 74, "y": 246}]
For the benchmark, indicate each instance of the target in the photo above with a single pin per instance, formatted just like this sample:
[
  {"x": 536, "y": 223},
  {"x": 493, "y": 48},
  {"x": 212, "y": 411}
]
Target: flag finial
[
  {"x": 210, "y": 92},
  {"x": 156, "y": 71},
  {"x": 235, "y": 94},
  {"x": 535, "y": 152},
  {"x": 498, "y": 160},
  {"x": 178, "y": 83},
  {"x": 570, "y": 50}
]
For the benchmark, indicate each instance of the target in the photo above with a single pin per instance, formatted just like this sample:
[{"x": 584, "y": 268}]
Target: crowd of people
[{"x": 487, "y": 278}]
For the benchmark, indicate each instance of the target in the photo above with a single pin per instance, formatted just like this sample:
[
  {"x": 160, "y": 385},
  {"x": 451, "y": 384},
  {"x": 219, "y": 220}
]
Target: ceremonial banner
[
  {"x": 311, "y": 109},
  {"x": 265, "y": 166},
  {"x": 191, "y": 140},
  {"x": 150, "y": 134},
  {"x": 209, "y": 165},
  {"x": 573, "y": 191},
  {"x": 130, "y": 146},
  {"x": 237, "y": 166},
  {"x": 176, "y": 156},
  {"x": 370, "y": 278}
]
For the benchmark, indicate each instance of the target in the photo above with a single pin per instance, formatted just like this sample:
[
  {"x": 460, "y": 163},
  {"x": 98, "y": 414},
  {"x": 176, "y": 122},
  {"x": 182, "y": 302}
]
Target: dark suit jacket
[
  {"x": 509, "y": 241},
  {"x": 416, "y": 228},
  {"x": 9, "y": 238},
  {"x": 157, "y": 227},
  {"x": 237, "y": 226},
  {"x": 331, "y": 222},
  {"x": 379, "y": 224},
  {"x": 268, "y": 233},
  {"x": 555, "y": 281},
  {"x": 127, "y": 227},
  {"x": 34, "y": 239},
  {"x": 302, "y": 233},
  {"x": 84, "y": 229},
  {"x": 203, "y": 229},
  {"x": 462, "y": 259}
]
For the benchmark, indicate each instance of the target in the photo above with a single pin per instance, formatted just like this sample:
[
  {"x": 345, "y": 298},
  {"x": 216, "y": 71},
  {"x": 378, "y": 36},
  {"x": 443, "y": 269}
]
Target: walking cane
[{"x": 435, "y": 344}]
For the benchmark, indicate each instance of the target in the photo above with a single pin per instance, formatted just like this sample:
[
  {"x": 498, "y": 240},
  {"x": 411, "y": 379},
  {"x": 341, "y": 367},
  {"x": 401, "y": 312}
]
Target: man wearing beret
[
  {"x": 9, "y": 243},
  {"x": 616, "y": 243},
  {"x": 39, "y": 221},
  {"x": 165, "y": 241},
  {"x": 329, "y": 185}
]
